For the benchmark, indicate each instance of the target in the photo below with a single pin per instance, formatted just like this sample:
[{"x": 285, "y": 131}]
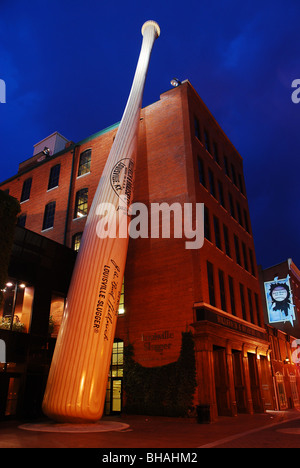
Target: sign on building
[{"x": 279, "y": 299}]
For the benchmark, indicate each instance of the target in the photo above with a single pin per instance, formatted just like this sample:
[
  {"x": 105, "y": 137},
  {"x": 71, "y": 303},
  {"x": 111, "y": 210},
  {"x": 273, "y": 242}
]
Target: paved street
[{"x": 271, "y": 430}]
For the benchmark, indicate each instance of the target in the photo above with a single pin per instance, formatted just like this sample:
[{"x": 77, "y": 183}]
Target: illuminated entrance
[{"x": 113, "y": 401}]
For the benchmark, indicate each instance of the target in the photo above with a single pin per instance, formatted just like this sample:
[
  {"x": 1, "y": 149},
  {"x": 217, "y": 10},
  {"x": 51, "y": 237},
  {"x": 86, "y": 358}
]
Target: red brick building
[{"x": 183, "y": 156}]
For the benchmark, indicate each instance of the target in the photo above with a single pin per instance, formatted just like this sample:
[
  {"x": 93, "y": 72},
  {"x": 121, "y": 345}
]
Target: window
[
  {"x": 49, "y": 213},
  {"x": 257, "y": 309},
  {"x": 121, "y": 310},
  {"x": 211, "y": 284},
  {"x": 207, "y": 233},
  {"x": 233, "y": 174},
  {"x": 211, "y": 183},
  {"x": 226, "y": 166},
  {"x": 216, "y": 152},
  {"x": 197, "y": 128},
  {"x": 252, "y": 262},
  {"x": 201, "y": 172},
  {"x": 250, "y": 306},
  {"x": 54, "y": 176},
  {"x": 240, "y": 220},
  {"x": 226, "y": 239},
  {"x": 26, "y": 190},
  {"x": 16, "y": 306},
  {"x": 85, "y": 162},
  {"x": 222, "y": 290},
  {"x": 81, "y": 203},
  {"x": 246, "y": 221},
  {"x": 206, "y": 141},
  {"x": 22, "y": 220},
  {"x": 217, "y": 233},
  {"x": 76, "y": 239},
  {"x": 56, "y": 313},
  {"x": 221, "y": 193},
  {"x": 237, "y": 250},
  {"x": 245, "y": 256},
  {"x": 241, "y": 182},
  {"x": 242, "y": 295},
  {"x": 231, "y": 205},
  {"x": 231, "y": 292}
]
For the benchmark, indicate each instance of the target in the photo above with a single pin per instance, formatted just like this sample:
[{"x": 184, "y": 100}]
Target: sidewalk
[{"x": 147, "y": 432}]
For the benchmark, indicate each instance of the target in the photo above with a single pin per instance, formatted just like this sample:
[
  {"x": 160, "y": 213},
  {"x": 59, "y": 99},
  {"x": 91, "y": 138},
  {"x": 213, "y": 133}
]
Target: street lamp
[{"x": 16, "y": 285}]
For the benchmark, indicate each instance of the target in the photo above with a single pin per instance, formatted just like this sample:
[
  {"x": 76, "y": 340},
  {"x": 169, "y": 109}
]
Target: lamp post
[{"x": 16, "y": 286}]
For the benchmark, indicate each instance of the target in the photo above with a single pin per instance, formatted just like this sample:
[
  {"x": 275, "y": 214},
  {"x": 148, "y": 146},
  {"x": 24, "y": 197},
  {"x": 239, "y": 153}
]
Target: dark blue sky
[{"x": 68, "y": 67}]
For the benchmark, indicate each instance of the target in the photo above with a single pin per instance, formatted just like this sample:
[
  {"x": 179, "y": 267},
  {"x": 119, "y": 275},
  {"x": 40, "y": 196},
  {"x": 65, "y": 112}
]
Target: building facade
[{"x": 183, "y": 157}]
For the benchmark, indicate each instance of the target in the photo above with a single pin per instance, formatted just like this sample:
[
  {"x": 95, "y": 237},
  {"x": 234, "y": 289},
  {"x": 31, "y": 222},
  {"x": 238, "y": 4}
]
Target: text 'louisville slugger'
[{"x": 78, "y": 375}]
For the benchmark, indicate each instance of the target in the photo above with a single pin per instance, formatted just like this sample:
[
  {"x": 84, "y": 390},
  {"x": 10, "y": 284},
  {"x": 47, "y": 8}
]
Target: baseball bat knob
[{"x": 151, "y": 23}]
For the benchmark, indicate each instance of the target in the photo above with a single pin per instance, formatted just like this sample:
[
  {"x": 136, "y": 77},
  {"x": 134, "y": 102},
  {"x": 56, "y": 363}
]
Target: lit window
[
  {"x": 16, "y": 307},
  {"x": 81, "y": 203},
  {"x": 84, "y": 163},
  {"x": 76, "y": 239},
  {"x": 122, "y": 302},
  {"x": 49, "y": 213}
]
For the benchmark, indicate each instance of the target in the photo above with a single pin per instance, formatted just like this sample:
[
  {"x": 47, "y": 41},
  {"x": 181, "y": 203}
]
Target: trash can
[{"x": 203, "y": 414}]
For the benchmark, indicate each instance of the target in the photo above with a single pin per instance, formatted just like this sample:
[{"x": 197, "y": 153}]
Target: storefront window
[
  {"x": 16, "y": 309},
  {"x": 56, "y": 313},
  {"x": 294, "y": 389},
  {"x": 281, "y": 391}
]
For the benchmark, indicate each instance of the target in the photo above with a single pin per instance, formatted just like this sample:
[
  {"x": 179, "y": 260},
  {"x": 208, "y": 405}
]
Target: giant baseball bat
[{"x": 77, "y": 380}]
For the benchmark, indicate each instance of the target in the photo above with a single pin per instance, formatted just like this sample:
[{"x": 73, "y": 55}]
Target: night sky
[{"x": 68, "y": 67}]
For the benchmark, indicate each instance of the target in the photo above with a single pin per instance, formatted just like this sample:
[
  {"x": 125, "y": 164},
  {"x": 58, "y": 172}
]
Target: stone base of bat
[{"x": 69, "y": 428}]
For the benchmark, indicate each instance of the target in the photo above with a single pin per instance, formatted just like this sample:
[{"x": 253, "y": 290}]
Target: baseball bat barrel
[{"x": 77, "y": 380}]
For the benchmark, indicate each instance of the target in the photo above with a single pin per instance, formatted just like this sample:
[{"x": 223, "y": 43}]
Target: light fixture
[
  {"x": 9, "y": 284},
  {"x": 175, "y": 82}
]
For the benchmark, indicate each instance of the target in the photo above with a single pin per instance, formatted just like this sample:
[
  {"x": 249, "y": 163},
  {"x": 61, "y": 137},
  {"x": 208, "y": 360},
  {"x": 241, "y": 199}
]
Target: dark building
[{"x": 39, "y": 276}]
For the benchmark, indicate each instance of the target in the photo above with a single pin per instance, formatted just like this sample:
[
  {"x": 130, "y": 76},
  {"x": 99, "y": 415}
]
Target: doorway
[
  {"x": 221, "y": 381},
  {"x": 239, "y": 381},
  {"x": 254, "y": 383}
]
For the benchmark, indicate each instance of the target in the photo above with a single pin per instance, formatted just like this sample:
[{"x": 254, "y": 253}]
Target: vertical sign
[{"x": 279, "y": 299}]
